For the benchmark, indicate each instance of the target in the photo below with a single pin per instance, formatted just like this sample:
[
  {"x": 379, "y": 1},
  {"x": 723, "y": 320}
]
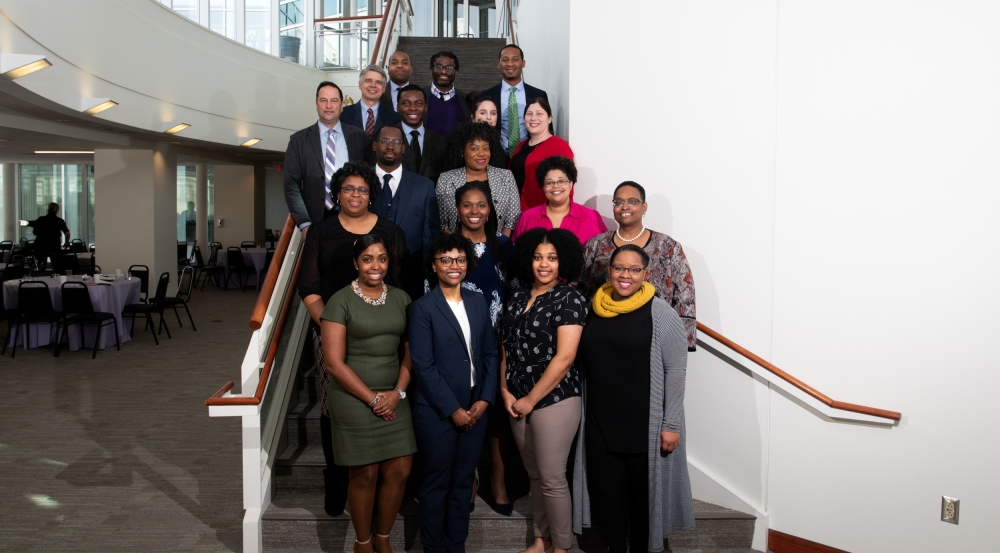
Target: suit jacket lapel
[
  {"x": 445, "y": 309},
  {"x": 312, "y": 137}
]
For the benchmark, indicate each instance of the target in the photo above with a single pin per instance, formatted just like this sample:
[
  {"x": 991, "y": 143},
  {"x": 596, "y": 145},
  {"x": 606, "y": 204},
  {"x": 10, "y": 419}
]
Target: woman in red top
[{"x": 540, "y": 144}]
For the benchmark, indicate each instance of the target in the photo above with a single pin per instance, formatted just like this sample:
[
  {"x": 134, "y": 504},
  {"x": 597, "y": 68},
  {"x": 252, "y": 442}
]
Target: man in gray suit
[{"x": 315, "y": 153}]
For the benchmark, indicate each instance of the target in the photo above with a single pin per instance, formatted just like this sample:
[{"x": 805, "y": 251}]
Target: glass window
[
  {"x": 258, "y": 25},
  {"x": 40, "y": 185},
  {"x": 187, "y": 194},
  {"x": 291, "y": 20},
  {"x": 187, "y": 8},
  {"x": 331, "y": 8},
  {"x": 211, "y": 204},
  {"x": 70, "y": 186},
  {"x": 222, "y": 17}
]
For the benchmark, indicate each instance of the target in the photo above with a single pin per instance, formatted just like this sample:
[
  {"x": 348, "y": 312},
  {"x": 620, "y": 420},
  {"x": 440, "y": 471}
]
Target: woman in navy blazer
[{"x": 454, "y": 353}]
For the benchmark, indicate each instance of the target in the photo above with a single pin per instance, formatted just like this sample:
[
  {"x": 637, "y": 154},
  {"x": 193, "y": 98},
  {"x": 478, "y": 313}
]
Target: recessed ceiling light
[
  {"x": 177, "y": 128},
  {"x": 105, "y": 105},
  {"x": 251, "y": 142},
  {"x": 16, "y": 66},
  {"x": 64, "y": 152}
]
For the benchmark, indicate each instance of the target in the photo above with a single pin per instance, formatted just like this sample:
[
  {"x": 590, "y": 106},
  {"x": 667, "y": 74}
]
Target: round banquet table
[
  {"x": 252, "y": 257},
  {"x": 107, "y": 297}
]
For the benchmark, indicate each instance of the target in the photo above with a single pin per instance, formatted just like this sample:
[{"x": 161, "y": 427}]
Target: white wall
[
  {"x": 830, "y": 170},
  {"x": 234, "y": 204},
  {"x": 543, "y": 34}
]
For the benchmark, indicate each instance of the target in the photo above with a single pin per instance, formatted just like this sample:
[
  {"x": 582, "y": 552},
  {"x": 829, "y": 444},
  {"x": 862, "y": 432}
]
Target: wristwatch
[{"x": 402, "y": 392}]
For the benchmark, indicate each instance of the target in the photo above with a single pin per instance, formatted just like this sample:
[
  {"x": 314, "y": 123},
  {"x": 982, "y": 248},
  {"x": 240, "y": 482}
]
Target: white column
[
  {"x": 10, "y": 201},
  {"x": 201, "y": 207},
  {"x": 135, "y": 219},
  {"x": 234, "y": 204}
]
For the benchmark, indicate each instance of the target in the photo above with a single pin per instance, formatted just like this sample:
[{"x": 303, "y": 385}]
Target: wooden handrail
[
  {"x": 272, "y": 352},
  {"x": 271, "y": 280},
  {"x": 381, "y": 31},
  {"x": 892, "y": 415},
  {"x": 392, "y": 22}
]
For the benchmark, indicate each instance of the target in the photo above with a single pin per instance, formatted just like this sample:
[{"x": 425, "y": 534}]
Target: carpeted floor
[{"x": 118, "y": 453}]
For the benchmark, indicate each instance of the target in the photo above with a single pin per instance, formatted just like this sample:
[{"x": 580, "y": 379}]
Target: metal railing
[{"x": 356, "y": 41}]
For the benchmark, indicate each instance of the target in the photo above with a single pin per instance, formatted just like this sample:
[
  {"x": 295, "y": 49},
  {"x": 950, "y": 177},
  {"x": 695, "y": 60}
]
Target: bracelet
[{"x": 374, "y": 401}]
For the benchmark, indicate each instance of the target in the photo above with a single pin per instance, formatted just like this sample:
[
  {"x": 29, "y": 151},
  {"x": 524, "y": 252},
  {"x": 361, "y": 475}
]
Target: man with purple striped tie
[{"x": 315, "y": 153}]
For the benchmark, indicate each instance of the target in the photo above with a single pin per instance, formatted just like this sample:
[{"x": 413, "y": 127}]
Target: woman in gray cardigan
[{"x": 631, "y": 462}]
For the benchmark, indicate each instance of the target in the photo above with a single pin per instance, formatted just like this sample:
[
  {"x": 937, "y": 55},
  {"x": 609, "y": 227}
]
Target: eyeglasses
[
  {"x": 447, "y": 261},
  {"x": 350, "y": 190},
  {"x": 633, "y": 202},
  {"x": 448, "y": 68},
  {"x": 388, "y": 141},
  {"x": 634, "y": 271},
  {"x": 562, "y": 183}
]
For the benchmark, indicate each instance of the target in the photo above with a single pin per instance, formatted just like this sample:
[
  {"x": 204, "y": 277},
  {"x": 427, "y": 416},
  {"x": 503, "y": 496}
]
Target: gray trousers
[{"x": 544, "y": 438}]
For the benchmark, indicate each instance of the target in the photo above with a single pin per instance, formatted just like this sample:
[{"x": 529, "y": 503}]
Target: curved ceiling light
[
  {"x": 175, "y": 128},
  {"x": 16, "y": 66},
  {"x": 250, "y": 142},
  {"x": 94, "y": 106}
]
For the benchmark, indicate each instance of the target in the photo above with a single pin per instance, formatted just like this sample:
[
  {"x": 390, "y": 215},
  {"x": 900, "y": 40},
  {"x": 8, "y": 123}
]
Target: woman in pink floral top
[
  {"x": 556, "y": 175},
  {"x": 668, "y": 267}
]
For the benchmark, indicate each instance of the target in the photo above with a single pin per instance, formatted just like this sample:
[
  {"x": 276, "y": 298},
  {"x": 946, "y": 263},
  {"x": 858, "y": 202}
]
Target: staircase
[
  {"x": 295, "y": 520},
  {"x": 477, "y": 59}
]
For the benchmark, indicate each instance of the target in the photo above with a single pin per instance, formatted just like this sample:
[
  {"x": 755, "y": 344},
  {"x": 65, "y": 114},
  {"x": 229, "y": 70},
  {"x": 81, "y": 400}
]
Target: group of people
[{"x": 463, "y": 300}]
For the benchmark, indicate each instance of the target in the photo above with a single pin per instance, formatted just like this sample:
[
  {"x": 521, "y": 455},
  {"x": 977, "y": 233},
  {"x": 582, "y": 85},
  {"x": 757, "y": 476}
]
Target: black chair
[
  {"x": 70, "y": 262},
  {"x": 247, "y": 244},
  {"x": 182, "y": 256},
  {"x": 154, "y": 306},
  {"x": 267, "y": 265},
  {"x": 210, "y": 270},
  {"x": 5, "y": 246},
  {"x": 141, "y": 272},
  {"x": 35, "y": 306},
  {"x": 238, "y": 266},
  {"x": 183, "y": 296},
  {"x": 79, "y": 310},
  {"x": 77, "y": 246}
]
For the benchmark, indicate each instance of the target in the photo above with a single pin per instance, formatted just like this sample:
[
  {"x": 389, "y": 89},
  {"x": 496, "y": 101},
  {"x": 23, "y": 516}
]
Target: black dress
[
  {"x": 327, "y": 259},
  {"x": 517, "y": 164},
  {"x": 614, "y": 362}
]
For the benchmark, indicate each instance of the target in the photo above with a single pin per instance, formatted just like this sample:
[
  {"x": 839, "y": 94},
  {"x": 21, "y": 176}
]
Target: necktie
[
  {"x": 370, "y": 125},
  {"x": 441, "y": 95},
  {"x": 329, "y": 166},
  {"x": 386, "y": 189},
  {"x": 513, "y": 123},
  {"x": 415, "y": 148}
]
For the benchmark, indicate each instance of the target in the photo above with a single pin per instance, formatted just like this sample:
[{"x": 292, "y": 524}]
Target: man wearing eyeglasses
[
  {"x": 315, "y": 153},
  {"x": 446, "y": 106},
  {"x": 408, "y": 200}
]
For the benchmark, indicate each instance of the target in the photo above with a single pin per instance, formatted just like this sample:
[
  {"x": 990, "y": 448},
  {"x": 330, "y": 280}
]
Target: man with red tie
[{"x": 366, "y": 113}]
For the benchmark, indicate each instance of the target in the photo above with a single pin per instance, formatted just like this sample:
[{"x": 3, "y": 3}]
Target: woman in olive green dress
[{"x": 363, "y": 327}]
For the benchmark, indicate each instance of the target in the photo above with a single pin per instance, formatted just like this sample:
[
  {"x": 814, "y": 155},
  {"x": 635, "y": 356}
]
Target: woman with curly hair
[
  {"x": 469, "y": 153},
  {"x": 327, "y": 267},
  {"x": 539, "y": 382},
  {"x": 557, "y": 177}
]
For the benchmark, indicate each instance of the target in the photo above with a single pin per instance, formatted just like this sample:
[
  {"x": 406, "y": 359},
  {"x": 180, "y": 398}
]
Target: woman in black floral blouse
[{"x": 539, "y": 383}]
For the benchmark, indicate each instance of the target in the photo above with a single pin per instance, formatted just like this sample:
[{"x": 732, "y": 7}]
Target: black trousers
[{"x": 619, "y": 495}]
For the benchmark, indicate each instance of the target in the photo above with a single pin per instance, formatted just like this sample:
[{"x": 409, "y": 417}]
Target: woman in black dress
[
  {"x": 328, "y": 266},
  {"x": 539, "y": 383}
]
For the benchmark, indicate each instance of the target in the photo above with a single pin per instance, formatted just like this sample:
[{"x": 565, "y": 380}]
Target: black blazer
[
  {"x": 431, "y": 155},
  {"x": 352, "y": 116},
  {"x": 530, "y": 93},
  {"x": 441, "y": 358},
  {"x": 305, "y": 180},
  {"x": 414, "y": 209},
  {"x": 386, "y": 98}
]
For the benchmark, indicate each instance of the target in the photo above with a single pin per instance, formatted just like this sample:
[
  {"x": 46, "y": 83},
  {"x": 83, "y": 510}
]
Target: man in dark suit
[
  {"x": 369, "y": 114},
  {"x": 446, "y": 105},
  {"x": 315, "y": 153},
  {"x": 425, "y": 154},
  {"x": 400, "y": 71},
  {"x": 408, "y": 200},
  {"x": 511, "y": 96}
]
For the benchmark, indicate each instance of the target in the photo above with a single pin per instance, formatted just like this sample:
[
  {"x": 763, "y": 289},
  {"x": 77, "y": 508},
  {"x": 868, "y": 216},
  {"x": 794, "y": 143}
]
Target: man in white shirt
[{"x": 368, "y": 114}]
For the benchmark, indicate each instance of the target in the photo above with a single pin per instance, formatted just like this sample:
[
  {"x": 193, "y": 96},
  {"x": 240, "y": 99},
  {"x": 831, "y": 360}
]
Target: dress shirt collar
[
  {"x": 505, "y": 88},
  {"x": 396, "y": 174},
  {"x": 447, "y": 95},
  {"x": 323, "y": 130},
  {"x": 408, "y": 129}
]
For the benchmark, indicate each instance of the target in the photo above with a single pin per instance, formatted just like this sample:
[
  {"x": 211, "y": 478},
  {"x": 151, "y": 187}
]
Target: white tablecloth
[
  {"x": 106, "y": 297},
  {"x": 253, "y": 257}
]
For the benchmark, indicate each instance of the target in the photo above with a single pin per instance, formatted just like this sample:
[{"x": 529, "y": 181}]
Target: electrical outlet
[{"x": 949, "y": 509}]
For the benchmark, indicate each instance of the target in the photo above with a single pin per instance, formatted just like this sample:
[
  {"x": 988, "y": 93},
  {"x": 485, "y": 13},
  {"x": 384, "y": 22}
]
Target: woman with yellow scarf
[{"x": 631, "y": 461}]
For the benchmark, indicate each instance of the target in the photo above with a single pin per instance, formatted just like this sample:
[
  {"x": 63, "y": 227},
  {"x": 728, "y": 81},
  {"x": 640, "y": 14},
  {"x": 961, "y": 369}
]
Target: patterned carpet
[{"x": 118, "y": 453}]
